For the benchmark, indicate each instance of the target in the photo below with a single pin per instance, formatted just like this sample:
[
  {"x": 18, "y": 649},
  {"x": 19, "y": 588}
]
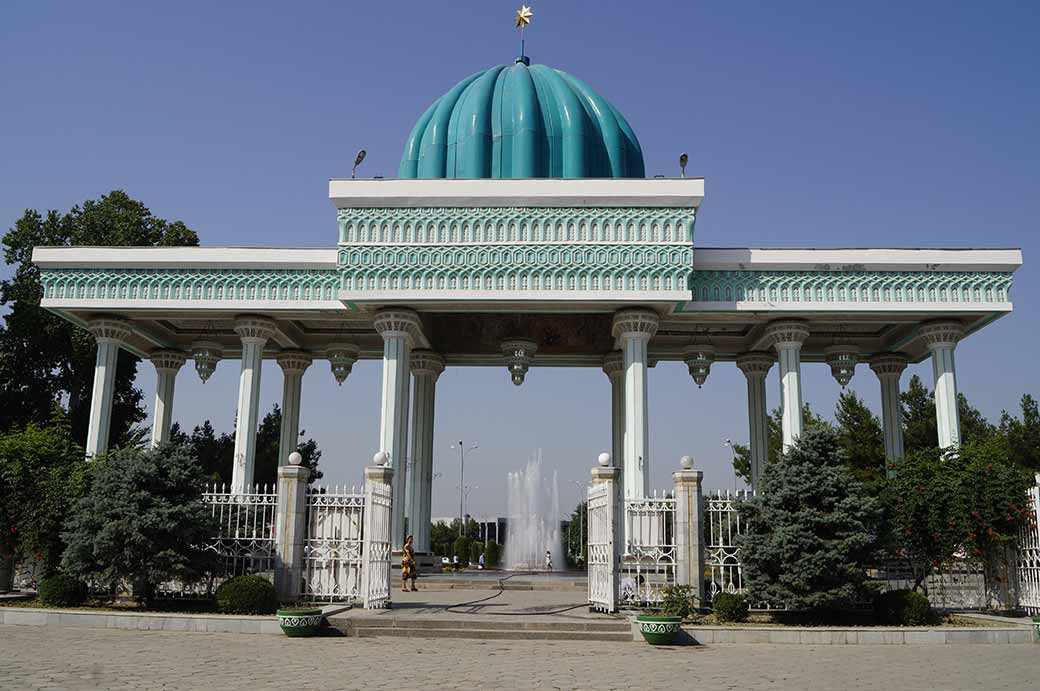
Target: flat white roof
[
  {"x": 184, "y": 257},
  {"x": 607, "y": 192},
  {"x": 855, "y": 259}
]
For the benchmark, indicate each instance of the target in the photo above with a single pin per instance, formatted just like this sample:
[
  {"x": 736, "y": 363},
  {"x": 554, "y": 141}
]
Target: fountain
[{"x": 533, "y": 510}]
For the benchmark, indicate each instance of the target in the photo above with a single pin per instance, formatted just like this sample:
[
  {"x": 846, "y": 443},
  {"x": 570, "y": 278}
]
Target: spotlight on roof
[
  {"x": 683, "y": 159},
  {"x": 357, "y": 161}
]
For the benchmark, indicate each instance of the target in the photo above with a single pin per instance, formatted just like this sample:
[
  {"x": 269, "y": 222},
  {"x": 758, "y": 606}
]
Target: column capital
[
  {"x": 168, "y": 360},
  {"x": 687, "y": 477},
  {"x": 614, "y": 364},
  {"x": 341, "y": 357},
  {"x": 379, "y": 473},
  {"x": 426, "y": 363},
  {"x": 602, "y": 474},
  {"x": 942, "y": 333},
  {"x": 294, "y": 361},
  {"x": 109, "y": 329},
  {"x": 636, "y": 321},
  {"x": 786, "y": 333},
  {"x": 252, "y": 328},
  {"x": 398, "y": 321},
  {"x": 756, "y": 363},
  {"x": 299, "y": 473},
  {"x": 888, "y": 364}
]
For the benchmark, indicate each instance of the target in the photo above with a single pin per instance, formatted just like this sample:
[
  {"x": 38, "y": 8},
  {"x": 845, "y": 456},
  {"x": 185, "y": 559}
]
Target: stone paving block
[
  {"x": 781, "y": 636},
  {"x": 25, "y": 618}
]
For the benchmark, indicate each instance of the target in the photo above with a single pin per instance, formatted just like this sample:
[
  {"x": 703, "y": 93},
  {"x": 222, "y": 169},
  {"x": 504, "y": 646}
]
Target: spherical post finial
[
  {"x": 295, "y": 458},
  {"x": 686, "y": 462},
  {"x": 381, "y": 458},
  {"x": 604, "y": 459}
]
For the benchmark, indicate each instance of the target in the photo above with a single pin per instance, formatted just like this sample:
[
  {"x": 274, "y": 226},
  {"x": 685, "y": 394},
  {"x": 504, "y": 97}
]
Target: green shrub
[
  {"x": 61, "y": 590},
  {"x": 492, "y": 554},
  {"x": 730, "y": 607},
  {"x": 461, "y": 549},
  {"x": 476, "y": 548},
  {"x": 903, "y": 608},
  {"x": 679, "y": 601},
  {"x": 247, "y": 595}
]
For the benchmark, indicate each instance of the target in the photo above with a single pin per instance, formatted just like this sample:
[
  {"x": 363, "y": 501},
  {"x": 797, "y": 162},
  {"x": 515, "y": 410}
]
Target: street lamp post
[
  {"x": 733, "y": 463},
  {"x": 462, "y": 481}
]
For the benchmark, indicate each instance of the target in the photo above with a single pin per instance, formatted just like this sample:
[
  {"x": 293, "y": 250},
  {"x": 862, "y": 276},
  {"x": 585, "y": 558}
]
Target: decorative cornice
[
  {"x": 888, "y": 364},
  {"x": 109, "y": 329},
  {"x": 294, "y": 361},
  {"x": 168, "y": 360},
  {"x": 756, "y": 363},
  {"x": 426, "y": 363},
  {"x": 809, "y": 288},
  {"x": 254, "y": 328},
  {"x": 477, "y": 225},
  {"x": 786, "y": 333},
  {"x": 941, "y": 333},
  {"x": 635, "y": 322},
  {"x": 614, "y": 364}
]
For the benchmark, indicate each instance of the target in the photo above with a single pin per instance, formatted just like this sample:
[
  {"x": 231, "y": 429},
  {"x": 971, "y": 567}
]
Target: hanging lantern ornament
[
  {"x": 842, "y": 360},
  {"x": 342, "y": 357},
  {"x": 206, "y": 355},
  {"x": 518, "y": 353},
  {"x": 698, "y": 358}
]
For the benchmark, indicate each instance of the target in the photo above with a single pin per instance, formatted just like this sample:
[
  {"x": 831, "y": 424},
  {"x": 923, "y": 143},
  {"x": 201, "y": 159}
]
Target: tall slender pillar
[
  {"x": 167, "y": 363},
  {"x": 787, "y": 337},
  {"x": 889, "y": 367},
  {"x": 426, "y": 368},
  {"x": 755, "y": 366},
  {"x": 293, "y": 363},
  {"x": 109, "y": 333},
  {"x": 614, "y": 368},
  {"x": 254, "y": 332},
  {"x": 633, "y": 329},
  {"x": 398, "y": 328},
  {"x": 941, "y": 338}
]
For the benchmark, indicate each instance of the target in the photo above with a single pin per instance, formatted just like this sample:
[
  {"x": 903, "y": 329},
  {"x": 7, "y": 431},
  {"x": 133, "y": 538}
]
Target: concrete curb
[
  {"x": 145, "y": 621},
  {"x": 790, "y": 635}
]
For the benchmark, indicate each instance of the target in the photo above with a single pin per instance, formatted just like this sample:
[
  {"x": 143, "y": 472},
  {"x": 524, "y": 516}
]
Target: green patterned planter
[
  {"x": 299, "y": 623},
  {"x": 658, "y": 630}
]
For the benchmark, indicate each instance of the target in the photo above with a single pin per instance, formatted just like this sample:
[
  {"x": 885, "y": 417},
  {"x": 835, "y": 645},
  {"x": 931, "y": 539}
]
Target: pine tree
[
  {"x": 774, "y": 437},
  {"x": 861, "y": 438},
  {"x": 811, "y": 530},
  {"x": 1023, "y": 436}
]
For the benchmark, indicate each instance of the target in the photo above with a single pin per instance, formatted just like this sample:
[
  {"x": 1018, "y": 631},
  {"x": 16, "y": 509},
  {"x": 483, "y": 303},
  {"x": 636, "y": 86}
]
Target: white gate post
[
  {"x": 604, "y": 587},
  {"x": 689, "y": 527},
  {"x": 375, "y": 551},
  {"x": 291, "y": 527}
]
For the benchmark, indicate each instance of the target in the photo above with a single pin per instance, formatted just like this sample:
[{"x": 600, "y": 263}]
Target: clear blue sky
[{"x": 885, "y": 124}]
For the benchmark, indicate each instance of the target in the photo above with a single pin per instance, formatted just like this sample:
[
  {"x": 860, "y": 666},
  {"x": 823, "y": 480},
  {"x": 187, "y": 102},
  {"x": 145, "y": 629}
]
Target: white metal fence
[
  {"x": 648, "y": 563},
  {"x": 722, "y": 525},
  {"x": 376, "y": 548},
  {"x": 246, "y": 529},
  {"x": 602, "y": 585},
  {"x": 332, "y": 562},
  {"x": 1028, "y": 561}
]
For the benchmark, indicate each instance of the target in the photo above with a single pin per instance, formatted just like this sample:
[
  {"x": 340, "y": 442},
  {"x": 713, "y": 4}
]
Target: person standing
[
  {"x": 408, "y": 566},
  {"x": 548, "y": 561}
]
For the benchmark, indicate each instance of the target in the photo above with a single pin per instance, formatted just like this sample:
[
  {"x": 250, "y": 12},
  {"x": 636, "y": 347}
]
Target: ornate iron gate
[
  {"x": 376, "y": 552},
  {"x": 1029, "y": 558},
  {"x": 648, "y": 564},
  {"x": 602, "y": 578},
  {"x": 332, "y": 551},
  {"x": 722, "y": 526}
]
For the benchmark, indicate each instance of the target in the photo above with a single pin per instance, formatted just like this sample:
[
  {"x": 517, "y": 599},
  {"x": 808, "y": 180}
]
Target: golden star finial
[{"x": 523, "y": 16}]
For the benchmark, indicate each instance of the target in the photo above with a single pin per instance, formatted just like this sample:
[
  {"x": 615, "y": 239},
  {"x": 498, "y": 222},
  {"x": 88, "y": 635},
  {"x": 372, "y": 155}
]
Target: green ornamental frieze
[
  {"x": 191, "y": 284},
  {"x": 851, "y": 286},
  {"x": 515, "y": 224}
]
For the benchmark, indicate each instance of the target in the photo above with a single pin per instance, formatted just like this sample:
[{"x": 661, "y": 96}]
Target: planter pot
[
  {"x": 658, "y": 630},
  {"x": 299, "y": 623}
]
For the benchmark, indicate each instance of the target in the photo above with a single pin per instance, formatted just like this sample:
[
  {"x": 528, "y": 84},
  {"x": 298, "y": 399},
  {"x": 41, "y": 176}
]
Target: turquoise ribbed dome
[{"x": 520, "y": 121}]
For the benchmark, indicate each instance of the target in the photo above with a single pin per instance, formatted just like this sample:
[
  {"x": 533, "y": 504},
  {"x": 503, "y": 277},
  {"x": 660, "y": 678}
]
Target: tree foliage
[
  {"x": 42, "y": 472},
  {"x": 141, "y": 522},
  {"x": 812, "y": 530},
  {"x": 47, "y": 361},
  {"x": 860, "y": 438},
  {"x": 1023, "y": 436},
  {"x": 577, "y": 537},
  {"x": 775, "y": 440}
]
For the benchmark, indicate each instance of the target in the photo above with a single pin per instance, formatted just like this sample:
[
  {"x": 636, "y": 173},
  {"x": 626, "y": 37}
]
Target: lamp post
[
  {"x": 462, "y": 481},
  {"x": 733, "y": 462}
]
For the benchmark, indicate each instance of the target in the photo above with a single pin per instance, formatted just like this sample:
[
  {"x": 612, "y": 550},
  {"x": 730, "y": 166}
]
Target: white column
[
  {"x": 755, "y": 366},
  {"x": 109, "y": 333},
  {"x": 426, "y": 368},
  {"x": 787, "y": 337},
  {"x": 614, "y": 368},
  {"x": 889, "y": 367},
  {"x": 941, "y": 338},
  {"x": 254, "y": 332},
  {"x": 633, "y": 329},
  {"x": 398, "y": 328},
  {"x": 167, "y": 363},
  {"x": 293, "y": 363}
]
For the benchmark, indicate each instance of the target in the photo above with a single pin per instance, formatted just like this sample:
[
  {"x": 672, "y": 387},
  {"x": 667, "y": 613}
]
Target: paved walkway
[{"x": 72, "y": 659}]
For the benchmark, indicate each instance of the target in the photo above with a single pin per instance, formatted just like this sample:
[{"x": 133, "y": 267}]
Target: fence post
[
  {"x": 290, "y": 527},
  {"x": 607, "y": 477},
  {"x": 689, "y": 527},
  {"x": 375, "y": 550}
]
